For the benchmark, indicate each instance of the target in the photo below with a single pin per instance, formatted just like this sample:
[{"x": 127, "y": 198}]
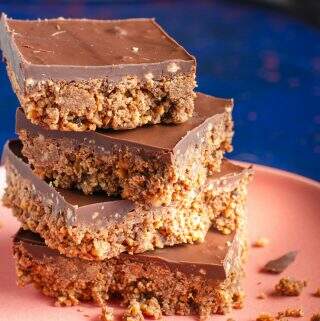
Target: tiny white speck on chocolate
[
  {"x": 148, "y": 76},
  {"x": 173, "y": 67},
  {"x": 58, "y": 33},
  {"x": 95, "y": 215}
]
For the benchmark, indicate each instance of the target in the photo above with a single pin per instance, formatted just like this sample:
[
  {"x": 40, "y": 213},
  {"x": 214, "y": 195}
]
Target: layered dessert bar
[
  {"x": 154, "y": 165},
  {"x": 97, "y": 226},
  {"x": 80, "y": 74},
  {"x": 200, "y": 279}
]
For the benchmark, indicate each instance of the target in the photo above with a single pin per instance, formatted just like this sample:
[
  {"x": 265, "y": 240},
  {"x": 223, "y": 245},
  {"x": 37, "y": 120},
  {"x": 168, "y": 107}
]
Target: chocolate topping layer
[
  {"x": 77, "y": 49},
  {"x": 157, "y": 139},
  {"x": 212, "y": 259},
  {"x": 97, "y": 210}
]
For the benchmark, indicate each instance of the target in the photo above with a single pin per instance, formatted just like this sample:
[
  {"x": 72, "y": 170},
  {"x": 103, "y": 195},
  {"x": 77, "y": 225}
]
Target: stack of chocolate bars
[{"x": 119, "y": 178}]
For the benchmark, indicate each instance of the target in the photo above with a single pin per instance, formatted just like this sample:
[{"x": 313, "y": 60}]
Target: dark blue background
[{"x": 269, "y": 62}]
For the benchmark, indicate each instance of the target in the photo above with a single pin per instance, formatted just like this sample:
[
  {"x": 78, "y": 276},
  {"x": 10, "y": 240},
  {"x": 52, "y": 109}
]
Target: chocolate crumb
[
  {"x": 316, "y": 294},
  {"x": 86, "y": 315},
  {"x": 289, "y": 287},
  {"x": 280, "y": 264},
  {"x": 292, "y": 313},
  {"x": 230, "y": 319},
  {"x": 261, "y": 296},
  {"x": 265, "y": 317},
  {"x": 315, "y": 317},
  {"x": 261, "y": 242}
]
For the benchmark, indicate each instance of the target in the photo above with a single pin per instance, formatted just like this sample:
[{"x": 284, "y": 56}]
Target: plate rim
[{"x": 280, "y": 172}]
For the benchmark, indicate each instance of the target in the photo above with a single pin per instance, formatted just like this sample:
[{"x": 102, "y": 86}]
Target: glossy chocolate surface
[{"x": 79, "y": 49}]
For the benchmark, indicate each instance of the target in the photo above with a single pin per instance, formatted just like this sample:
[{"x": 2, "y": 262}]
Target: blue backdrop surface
[{"x": 267, "y": 61}]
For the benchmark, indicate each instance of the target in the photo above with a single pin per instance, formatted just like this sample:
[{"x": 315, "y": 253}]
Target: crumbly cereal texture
[
  {"x": 238, "y": 299},
  {"x": 133, "y": 312},
  {"x": 98, "y": 103},
  {"x": 106, "y": 314},
  {"x": 144, "y": 180},
  {"x": 291, "y": 313},
  {"x": 139, "y": 231},
  {"x": 151, "y": 308},
  {"x": 265, "y": 317},
  {"x": 290, "y": 287},
  {"x": 144, "y": 287}
]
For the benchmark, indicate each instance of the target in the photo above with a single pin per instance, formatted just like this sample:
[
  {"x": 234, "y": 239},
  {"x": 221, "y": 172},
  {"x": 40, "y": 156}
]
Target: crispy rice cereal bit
[
  {"x": 265, "y": 317},
  {"x": 151, "y": 308},
  {"x": 133, "y": 312},
  {"x": 238, "y": 299},
  {"x": 292, "y": 313},
  {"x": 106, "y": 314},
  {"x": 289, "y": 287}
]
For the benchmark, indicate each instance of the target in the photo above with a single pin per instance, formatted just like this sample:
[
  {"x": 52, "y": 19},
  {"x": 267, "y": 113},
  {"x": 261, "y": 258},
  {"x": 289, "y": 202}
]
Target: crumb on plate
[
  {"x": 292, "y": 313},
  {"x": 289, "y": 287},
  {"x": 315, "y": 317},
  {"x": 106, "y": 314},
  {"x": 261, "y": 296},
  {"x": 265, "y": 317},
  {"x": 133, "y": 312},
  {"x": 238, "y": 299},
  {"x": 317, "y": 293},
  {"x": 261, "y": 242}
]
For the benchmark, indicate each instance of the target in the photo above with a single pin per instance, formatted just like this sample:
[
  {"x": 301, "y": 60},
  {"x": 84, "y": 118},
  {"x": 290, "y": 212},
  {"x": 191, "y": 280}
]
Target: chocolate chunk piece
[
  {"x": 80, "y": 74},
  {"x": 99, "y": 227},
  {"x": 154, "y": 165},
  {"x": 280, "y": 264},
  {"x": 208, "y": 274}
]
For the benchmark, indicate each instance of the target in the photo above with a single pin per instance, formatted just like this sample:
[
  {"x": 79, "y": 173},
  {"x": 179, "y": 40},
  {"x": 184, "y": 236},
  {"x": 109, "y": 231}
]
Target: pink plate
[{"x": 283, "y": 207}]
